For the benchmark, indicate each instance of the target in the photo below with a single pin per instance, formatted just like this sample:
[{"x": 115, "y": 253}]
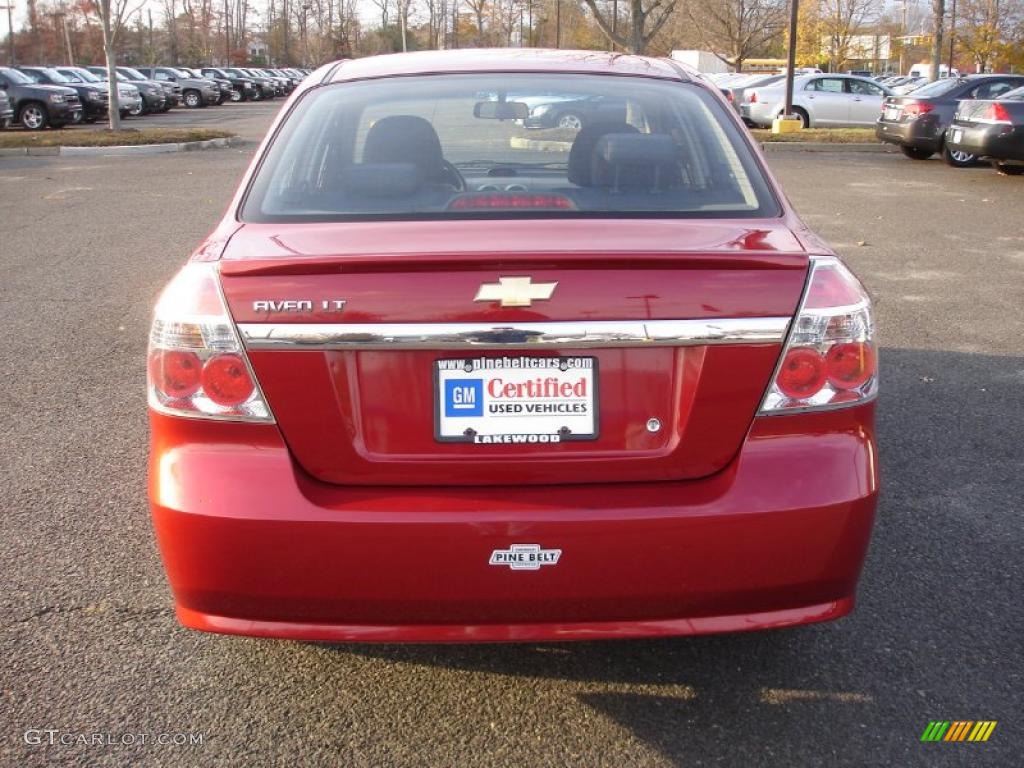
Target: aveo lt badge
[{"x": 525, "y": 557}]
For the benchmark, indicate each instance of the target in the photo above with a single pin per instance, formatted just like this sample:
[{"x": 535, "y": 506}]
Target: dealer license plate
[
  {"x": 892, "y": 113},
  {"x": 515, "y": 400}
]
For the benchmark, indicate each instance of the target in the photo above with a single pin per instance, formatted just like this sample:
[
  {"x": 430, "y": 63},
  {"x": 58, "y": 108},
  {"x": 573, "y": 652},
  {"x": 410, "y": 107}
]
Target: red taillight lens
[
  {"x": 753, "y": 97},
  {"x": 175, "y": 373},
  {"x": 510, "y": 201},
  {"x": 997, "y": 113},
  {"x": 829, "y": 359},
  {"x": 916, "y": 109},
  {"x": 802, "y": 373},
  {"x": 197, "y": 366},
  {"x": 850, "y": 365},
  {"x": 226, "y": 380}
]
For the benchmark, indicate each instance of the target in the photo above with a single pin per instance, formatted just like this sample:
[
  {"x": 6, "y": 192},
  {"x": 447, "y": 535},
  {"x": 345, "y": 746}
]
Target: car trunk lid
[{"x": 353, "y": 330}]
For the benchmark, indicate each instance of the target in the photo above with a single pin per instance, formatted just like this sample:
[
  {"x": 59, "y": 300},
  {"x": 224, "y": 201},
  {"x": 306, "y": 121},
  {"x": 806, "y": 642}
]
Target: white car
[{"x": 820, "y": 101}]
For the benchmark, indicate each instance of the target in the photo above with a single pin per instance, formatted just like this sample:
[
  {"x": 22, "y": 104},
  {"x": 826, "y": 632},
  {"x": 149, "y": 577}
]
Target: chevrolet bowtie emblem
[{"x": 515, "y": 291}]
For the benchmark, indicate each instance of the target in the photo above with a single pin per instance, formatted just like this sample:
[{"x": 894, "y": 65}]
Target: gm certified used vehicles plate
[{"x": 426, "y": 383}]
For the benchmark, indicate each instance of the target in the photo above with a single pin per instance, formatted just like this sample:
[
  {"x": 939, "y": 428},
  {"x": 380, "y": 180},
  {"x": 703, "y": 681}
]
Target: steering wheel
[{"x": 453, "y": 176}]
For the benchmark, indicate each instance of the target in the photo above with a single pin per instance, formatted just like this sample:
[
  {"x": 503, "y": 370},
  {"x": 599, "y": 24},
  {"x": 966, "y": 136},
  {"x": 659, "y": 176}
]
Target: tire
[
  {"x": 1005, "y": 169},
  {"x": 237, "y": 96},
  {"x": 193, "y": 99},
  {"x": 33, "y": 116},
  {"x": 139, "y": 111},
  {"x": 958, "y": 159},
  {"x": 570, "y": 121},
  {"x": 914, "y": 153}
]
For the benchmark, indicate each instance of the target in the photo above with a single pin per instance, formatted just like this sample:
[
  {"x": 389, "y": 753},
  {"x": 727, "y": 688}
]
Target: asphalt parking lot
[{"x": 90, "y": 643}]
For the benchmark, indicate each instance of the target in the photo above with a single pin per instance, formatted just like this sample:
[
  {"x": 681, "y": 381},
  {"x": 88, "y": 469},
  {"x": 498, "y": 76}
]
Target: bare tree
[
  {"x": 112, "y": 14},
  {"x": 737, "y": 30},
  {"x": 645, "y": 21},
  {"x": 479, "y": 7},
  {"x": 841, "y": 21}
]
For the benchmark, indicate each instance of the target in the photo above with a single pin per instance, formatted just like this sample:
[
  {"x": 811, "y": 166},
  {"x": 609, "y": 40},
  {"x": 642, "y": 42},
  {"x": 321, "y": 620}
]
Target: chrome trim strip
[{"x": 607, "y": 333}]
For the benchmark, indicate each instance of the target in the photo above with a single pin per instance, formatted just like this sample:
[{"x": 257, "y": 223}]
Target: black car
[
  {"x": 992, "y": 130},
  {"x": 6, "y": 111},
  {"x": 917, "y": 122},
  {"x": 37, "y": 106},
  {"x": 242, "y": 88},
  {"x": 281, "y": 87},
  {"x": 195, "y": 91},
  {"x": 94, "y": 100},
  {"x": 265, "y": 88}
]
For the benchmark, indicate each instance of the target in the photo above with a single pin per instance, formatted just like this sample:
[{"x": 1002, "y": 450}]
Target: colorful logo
[
  {"x": 464, "y": 397},
  {"x": 958, "y": 730}
]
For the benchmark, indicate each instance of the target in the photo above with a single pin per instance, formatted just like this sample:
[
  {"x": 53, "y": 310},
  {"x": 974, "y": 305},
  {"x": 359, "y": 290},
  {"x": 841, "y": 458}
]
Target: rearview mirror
[{"x": 501, "y": 110}]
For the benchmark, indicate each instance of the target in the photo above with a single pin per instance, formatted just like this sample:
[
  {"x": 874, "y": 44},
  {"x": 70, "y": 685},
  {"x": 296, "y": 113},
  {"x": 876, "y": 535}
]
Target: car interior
[{"x": 362, "y": 152}]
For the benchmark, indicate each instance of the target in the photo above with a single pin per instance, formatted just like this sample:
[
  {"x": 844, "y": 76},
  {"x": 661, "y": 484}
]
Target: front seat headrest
[
  {"x": 406, "y": 139},
  {"x": 582, "y": 151},
  {"x": 635, "y": 160}
]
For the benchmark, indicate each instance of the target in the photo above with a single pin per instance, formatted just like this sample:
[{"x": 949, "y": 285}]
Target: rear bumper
[
  {"x": 759, "y": 113},
  {"x": 254, "y": 546},
  {"x": 924, "y": 132},
  {"x": 1000, "y": 142}
]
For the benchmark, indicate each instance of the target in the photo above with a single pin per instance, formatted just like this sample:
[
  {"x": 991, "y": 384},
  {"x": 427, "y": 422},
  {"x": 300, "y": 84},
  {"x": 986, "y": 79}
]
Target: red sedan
[{"x": 436, "y": 377}]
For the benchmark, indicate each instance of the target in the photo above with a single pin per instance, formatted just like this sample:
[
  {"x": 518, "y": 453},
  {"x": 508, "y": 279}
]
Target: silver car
[{"x": 820, "y": 101}]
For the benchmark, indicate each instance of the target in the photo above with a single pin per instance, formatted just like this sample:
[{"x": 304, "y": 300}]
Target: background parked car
[
  {"x": 6, "y": 111},
  {"x": 195, "y": 91},
  {"x": 37, "y": 106},
  {"x": 820, "y": 101},
  {"x": 264, "y": 86},
  {"x": 739, "y": 88},
  {"x": 171, "y": 90},
  {"x": 910, "y": 84},
  {"x": 992, "y": 130},
  {"x": 224, "y": 86},
  {"x": 280, "y": 83},
  {"x": 93, "y": 99},
  {"x": 151, "y": 96},
  {"x": 918, "y": 122},
  {"x": 242, "y": 88}
]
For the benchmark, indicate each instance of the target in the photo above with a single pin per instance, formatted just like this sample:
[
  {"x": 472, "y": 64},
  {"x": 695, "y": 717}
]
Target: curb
[
  {"x": 539, "y": 145},
  {"x": 122, "y": 150}
]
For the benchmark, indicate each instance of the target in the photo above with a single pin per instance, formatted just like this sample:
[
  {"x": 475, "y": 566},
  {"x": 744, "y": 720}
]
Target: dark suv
[
  {"x": 242, "y": 88},
  {"x": 37, "y": 106},
  {"x": 917, "y": 122},
  {"x": 94, "y": 100},
  {"x": 195, "y": 91},
  {"x": 264, "y": 86},
  {"x": 171, "y": 91}
]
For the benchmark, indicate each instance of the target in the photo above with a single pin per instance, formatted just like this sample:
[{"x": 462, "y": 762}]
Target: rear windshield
[
  {"x": 938, "y": 88},
  {"x": 507, "y": 145}
]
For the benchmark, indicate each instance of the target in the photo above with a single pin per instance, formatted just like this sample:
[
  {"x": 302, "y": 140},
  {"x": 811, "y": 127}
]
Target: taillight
[
  {"x": 830, "y": 358},
  {"x": 918, "y": 108},
  {"x": 197, "y": 366},
  {"x": 753, "y": 97},
  {"x": 996, "y": 113},
  {"x": 510, "y": 201}
]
